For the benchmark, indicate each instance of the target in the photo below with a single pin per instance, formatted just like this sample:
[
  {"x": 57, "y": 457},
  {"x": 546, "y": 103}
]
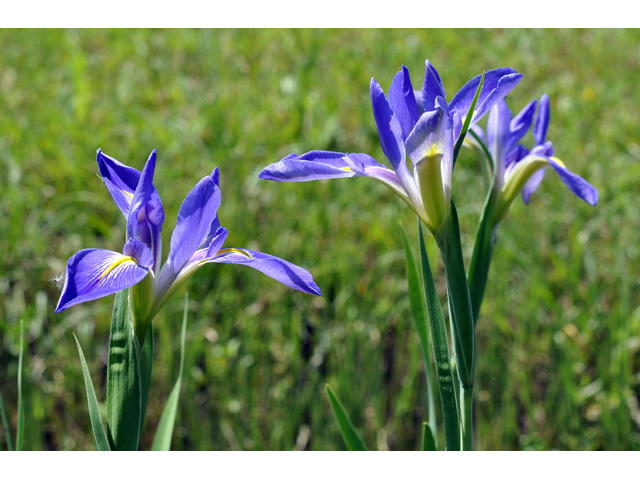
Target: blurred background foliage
[{"x": 559, "y": 333}]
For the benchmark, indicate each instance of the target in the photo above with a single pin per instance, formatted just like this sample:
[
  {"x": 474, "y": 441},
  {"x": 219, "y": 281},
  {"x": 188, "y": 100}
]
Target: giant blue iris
[
  {"x": 420, "y": 125},
  {"x": 196, "y": 240}
]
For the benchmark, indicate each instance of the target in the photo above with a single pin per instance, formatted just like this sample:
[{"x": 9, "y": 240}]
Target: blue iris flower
[
  {"x": 518, "y": 169},
  {"x": 196, "y": 240},
  {"x": 420, "y": 125}
]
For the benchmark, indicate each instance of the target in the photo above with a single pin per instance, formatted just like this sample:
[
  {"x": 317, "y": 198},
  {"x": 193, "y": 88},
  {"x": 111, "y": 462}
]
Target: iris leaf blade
[
  {"x": 440, "y": 346},
  {"x": 428, "y": 438},
  {"x": 5, "y": 424},
  {"x": 20, "y": 430},
  {"x": 162, "y": 440},
  {"x": 459, "y": 299},
  {"x": 419, "y": 314},
  {"x": 146, "y": 367},
  {"x": 349, "y": 434},
  {"x": 94, "y": 411}
]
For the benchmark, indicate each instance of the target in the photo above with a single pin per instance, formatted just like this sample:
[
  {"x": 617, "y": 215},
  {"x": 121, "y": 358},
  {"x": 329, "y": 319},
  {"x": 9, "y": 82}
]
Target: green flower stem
[
  {"x": 466, "y": 424},
  {"x": 462, "y": 322},
  {"x": 124, "y": 386},
  {"x": 463, "y": 334},
  {"x": 440, "y": 346},
  {"x": 419, "y": 314}
]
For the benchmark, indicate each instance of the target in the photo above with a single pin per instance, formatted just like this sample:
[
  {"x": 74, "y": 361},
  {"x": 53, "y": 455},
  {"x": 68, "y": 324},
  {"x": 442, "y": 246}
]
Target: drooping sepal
[
  {"x": 284, "y": 272},
  {"x": 94, "y": 273},
  {"x": 314, "y": 165}
]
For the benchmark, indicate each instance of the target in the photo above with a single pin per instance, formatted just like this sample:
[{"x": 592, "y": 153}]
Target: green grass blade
[
  {"x": 419, "y": 314},
  {"x": 94, "y": 411},
  {"x": 467, "y": 122},
  {"x": 162, "y": 440},
  {"x": 440, "y": 346},
  {"x": 428, "y": 439},
  {"x": 459, "y": 299},
  {"x": 123, "y": 379},
  {"x": 20, "y": 431},
  {"x": 351, "y": 437},
  {"x": 5, "y": 423},
  {"x": 146, "y": 366}
]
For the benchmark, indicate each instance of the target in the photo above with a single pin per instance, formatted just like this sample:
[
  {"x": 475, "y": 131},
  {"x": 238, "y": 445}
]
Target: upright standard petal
[
  {"x": 498, "y": 131},
  {"x": 197, "y": 213},
  {"x": 215, "y": 224},
  {"x": 120, "y": 179},
  {"x": 520, "y": 123},
  {"x": 542, "y": 121},
  {"x": 146, "y": 214},
  {"x": 432, "y": 88},
  {"x": 402, "y": 101},
  {"x": 389, "y": 128},
  {"x": 284, "y": 272},
  {"x": 95, "y": 273},
  {"x": 497, "y": 85}
]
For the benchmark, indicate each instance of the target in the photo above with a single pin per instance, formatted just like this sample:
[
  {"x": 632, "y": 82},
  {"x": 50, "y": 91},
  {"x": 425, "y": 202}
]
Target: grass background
[{"x": 559, "y": 333}]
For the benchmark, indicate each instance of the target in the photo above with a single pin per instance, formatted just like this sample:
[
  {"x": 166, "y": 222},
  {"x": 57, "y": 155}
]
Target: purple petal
[
  {"x": 121, "y": 196},
  {"x": 95, "y": 273},
  {"x": 360, "y": 162},
  {"x": 386, "y": 176},
  {"x": 314, "y": 165},
  {"x": 284, "y": 272},
  {"x": 433, "y": 129},
  {"x": 516, "y": 154},
  {"x": 207, "y": 252},
  {"x": 402, "y": 101},
  {"x": 531, "y": 185},
  {"x": 197, "y": 213},
  {"x": 213, "y": 231},
  {"x": 389, "y": 129},
  {"x": 542, "y": 121},
  {"x": 497, "y": 84},
  {"x": 120, "y": 179},
  {"x": 215, "y": 224},
  {"x": 545, "y": 149},
  {"x": 432, "y": 88},
  {"x": 521, "y": 123},
  {"x": 418, "y": 98},
  {"x": 498, "y": 136},
  {"x": 578, "y": 185},
  {"x": 215, "y": 176},
  {"x": 146, "y": 214},
  {"x": 121, "y": 176},
  {"x": 139, "y": 251}
]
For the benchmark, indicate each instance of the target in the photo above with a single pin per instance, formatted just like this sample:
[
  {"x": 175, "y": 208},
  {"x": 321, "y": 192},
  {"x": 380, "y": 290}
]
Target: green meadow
[{"x": 558, "y": 338}]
